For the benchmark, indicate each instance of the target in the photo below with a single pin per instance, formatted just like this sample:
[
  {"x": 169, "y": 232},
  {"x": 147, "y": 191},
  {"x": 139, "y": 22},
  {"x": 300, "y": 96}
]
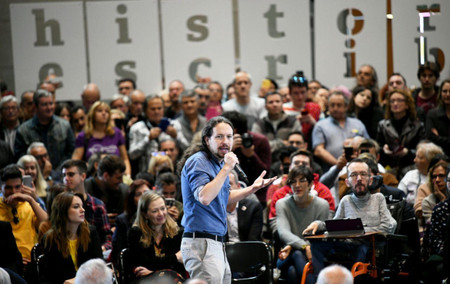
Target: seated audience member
[
  {"x": 27, "y": 107},
  {"x": 364, "y": 105},
  {"x": 335, "y": 274},
  {"x": 94, "y": 271},
  {"x": 438, "y": 119},
  {"x": 125, "y": 220},
  {"x": 367, "y": 147},
  {"x": 70, "y": 242},
  {"x": 244, "y": 102},
  {"x": 146, "y": 135},
  {"x": 276, "y": 125},
  {"x": 438, "y": 189},
  {"x": 330, "y": 133},
  {"x": 400, "y": 132},
  {"x": 31, "y": 168},
  {"x": 392, "y": 194},
  {"x": 63, "y": 111},
  {"x": 297, "y": 139},
  {"x": 135, "y": 109},
  {"x": 119, "y": 102},
  {"x": 215, "y": 103},
  {"x": 107, "y": 184},
  {"x": 313, "y": 87},
  {"x": 168, "y": 185},
  {"x": 396, "y": 81},
  {"x": 308, "y": 113},
  {"x": 21, "y": 210},
  {"x": 170, "y": 147},
  {"x": 280, "y": 168},
  {"x": 321, "y": 98},
  {"x": 154, "y": 239},
  {"x": 54, "y": 132},
  {"x": 371, "y": 208},
  {"x": 190, "y": 122},
  {"x": 53, "y": 191},
  {"x": 78, "y": 119},
  {"x": 294, "y": 213},
  {"x": 99, "y": 135},
  {"x": 301, "y": 158},
  {"x": 126, "y": 86},
  {"x": 252, "y": 150},
  {"x": 9, "y": 111},
  {"x": 413, "y": 179},
  {"x": 118, "y": 120},
  {"x": 268, "y": 85},
  {"x": 39, "y": 151},
  {"x": 10, "y": 258},
  {"x": 244, "y": 218},
  {"x": 204, "y": 96},
  {"x": 436, "y": 239},
  {"x": 425, "y": 97},
  {"x": 89, "y": 96},
  {"x": 160, "y": 163},
  {"x": 176, "y": 87},
  {"x": 74, "y": 172},
  {"x": 367, "y": 77}
]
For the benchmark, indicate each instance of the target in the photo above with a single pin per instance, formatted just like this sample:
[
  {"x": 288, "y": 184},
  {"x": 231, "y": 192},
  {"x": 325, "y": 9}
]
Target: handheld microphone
[{"x": 241, "y": 173}]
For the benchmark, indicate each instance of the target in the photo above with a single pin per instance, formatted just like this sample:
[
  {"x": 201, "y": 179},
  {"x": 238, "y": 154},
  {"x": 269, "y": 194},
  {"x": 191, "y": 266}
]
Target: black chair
[
  {"x": 33, "y": 274},
  {"x": 252, "y": 260},
  {"x": 124, "y": 267}
]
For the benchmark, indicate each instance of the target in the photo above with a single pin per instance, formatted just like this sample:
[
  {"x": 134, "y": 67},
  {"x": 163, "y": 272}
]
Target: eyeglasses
[
  {"x": 41, "y": 157},
  {"x": 363, "y": 175},
  {"x": 10, "y": 108},
  {"x": 70, "y": 174},
  {"x": 440, "y": 176},
  {"x": 15, "y": 217}
]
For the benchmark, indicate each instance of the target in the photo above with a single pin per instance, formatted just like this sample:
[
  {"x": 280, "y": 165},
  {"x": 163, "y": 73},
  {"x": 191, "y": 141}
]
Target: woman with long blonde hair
[
  {"x": 70, "y": 242},
  {"x": 154, "y": 239},
  {"x": 100, "y": 135}
]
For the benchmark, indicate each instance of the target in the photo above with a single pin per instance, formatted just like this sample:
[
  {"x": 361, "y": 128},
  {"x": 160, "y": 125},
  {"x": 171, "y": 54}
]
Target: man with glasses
[
  {"x": 126, "y": 86},
  {"x": 371, "y": 208},
  {"x": 9, "y": 110},
  {"x": 21, "y": 210},
  {"x": 55, "y": 132},
  {"x": 39, "y": 151},
  {"x": 74, "y": 172}
]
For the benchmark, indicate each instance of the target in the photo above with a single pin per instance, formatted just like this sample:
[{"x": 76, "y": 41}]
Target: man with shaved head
[{"x": 90, "y": 95}]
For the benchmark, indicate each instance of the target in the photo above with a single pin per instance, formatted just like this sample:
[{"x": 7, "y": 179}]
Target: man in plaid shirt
[{"x": 74, "y": 173}]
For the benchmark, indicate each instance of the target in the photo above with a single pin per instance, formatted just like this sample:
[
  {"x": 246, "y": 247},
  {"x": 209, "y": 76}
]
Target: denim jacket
[{"x": 60, "y": 141}]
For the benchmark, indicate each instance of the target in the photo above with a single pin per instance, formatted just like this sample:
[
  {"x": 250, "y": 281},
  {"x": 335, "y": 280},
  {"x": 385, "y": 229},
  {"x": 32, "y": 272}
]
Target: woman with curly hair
[
  {"x": 70, "y": 242},
  {"x": 99, "y": 135},
  {"x": 154, "y": 239}
]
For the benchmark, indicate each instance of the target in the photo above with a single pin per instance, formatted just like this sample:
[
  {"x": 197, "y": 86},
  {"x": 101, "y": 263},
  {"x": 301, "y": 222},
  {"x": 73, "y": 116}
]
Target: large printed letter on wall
[
  {"x": 274, "y": 39},
  {"x": 198, "y": 40},
  {"x": 420, "y": 34},
  {"x": 48, "y": 38},
  {"x": 349, "y": 33},
  {"x": 124, "y": 43}
]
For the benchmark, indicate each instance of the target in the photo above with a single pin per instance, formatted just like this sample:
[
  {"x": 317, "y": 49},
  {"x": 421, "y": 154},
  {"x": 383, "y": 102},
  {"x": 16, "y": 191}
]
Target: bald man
[{"x": 90, "y": 95}]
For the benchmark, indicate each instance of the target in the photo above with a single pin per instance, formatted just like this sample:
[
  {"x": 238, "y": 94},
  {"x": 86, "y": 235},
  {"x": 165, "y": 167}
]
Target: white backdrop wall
[{"x": 156, "y": 41}]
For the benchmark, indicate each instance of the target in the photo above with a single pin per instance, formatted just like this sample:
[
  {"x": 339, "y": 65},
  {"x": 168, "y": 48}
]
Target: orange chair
[{"x": 308, "y": 269}]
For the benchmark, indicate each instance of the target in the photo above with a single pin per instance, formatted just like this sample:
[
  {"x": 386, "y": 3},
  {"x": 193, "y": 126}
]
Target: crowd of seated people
[{"x": 85, "y": 179}]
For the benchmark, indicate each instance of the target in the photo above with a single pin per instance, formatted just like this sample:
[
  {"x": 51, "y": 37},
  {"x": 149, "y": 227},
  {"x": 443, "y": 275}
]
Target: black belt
[{"x": 203, "y": 235}]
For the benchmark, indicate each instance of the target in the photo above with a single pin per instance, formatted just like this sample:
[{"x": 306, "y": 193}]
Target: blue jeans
[
  {"x": 292, "y": 267},
  {"x": 357, "y": 251}
]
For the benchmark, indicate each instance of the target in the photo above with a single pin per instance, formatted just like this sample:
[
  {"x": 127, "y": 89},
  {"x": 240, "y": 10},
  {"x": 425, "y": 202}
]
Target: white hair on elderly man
[{"x": 94, "y": 271}]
